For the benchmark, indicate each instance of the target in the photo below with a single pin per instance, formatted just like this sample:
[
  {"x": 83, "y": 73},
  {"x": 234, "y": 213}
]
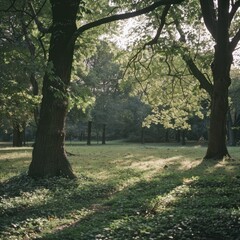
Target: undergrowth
[{"x": 123, "y": 192}]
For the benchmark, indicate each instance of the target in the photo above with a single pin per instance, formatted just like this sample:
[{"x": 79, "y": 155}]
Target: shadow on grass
[
  {"x": 200, "y": 203},
  {"x": 196, "y": 204},
  {"x": 29, "y": 199}
]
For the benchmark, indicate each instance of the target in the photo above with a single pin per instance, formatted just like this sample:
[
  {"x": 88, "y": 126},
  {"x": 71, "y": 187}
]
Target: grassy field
[{"x": 123, "y": 191}]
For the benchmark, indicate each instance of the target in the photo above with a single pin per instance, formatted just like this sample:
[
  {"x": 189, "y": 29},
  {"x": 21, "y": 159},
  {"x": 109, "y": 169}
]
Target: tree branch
[
  {"x": 11, "y": 5},
  {"x": 160, "y": 28},
  {"x": 234, "y": 9},
  {"x": 209, "y": 16},
  {"x": 123, "y": 16},
  {"x": 42, "y": 45},
  {"x": 39, "y": 24},
  {"x": 235, "y": 41},
  {"x": 204, "y": 83}
]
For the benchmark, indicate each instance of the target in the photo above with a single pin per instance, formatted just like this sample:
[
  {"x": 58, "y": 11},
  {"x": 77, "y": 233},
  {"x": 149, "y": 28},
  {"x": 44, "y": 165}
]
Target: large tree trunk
[
  {"x": 49, "y": 156},
  {"x": 217, "y": 133},
  {"x": 217, "y": 148}
]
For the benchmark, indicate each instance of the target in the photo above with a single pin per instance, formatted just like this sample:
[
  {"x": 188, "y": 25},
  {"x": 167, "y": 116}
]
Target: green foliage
[
  {"x": 113, "y": 107},
  {"x": 103, "y": 80},
  {"x": 16, "y": 97},
  {"x": 234, "y": 105},
  {"x": 80, "y": 97},
  {"x": 167, "y": 86},
  {"x": 158, "y": 73},
  {"x": 234, "y": 91},
  {"x": 17, "y": 107},
  {"x": 21, "y": 62},
  {"x": 122, "y": 192}
]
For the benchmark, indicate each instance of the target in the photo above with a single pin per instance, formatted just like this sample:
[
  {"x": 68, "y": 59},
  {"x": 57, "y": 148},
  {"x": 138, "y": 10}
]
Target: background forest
[{"x": 140, "y": 99}]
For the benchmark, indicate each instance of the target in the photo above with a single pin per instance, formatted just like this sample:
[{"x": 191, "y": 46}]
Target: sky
[{"x": 126, "y": 36}]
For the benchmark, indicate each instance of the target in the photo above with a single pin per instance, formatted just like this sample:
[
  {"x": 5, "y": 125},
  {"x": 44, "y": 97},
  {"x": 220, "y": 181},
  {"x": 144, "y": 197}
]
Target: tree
[
  {"x": 169, "y": 89},
  {"x": 103, "y": 80},
  {"x": 49, "y": 157},
  {"x": 218, "y": 19},
  {"x": 113, "y": 109},
  {"x": 221, "y": 20},
  {"x": 80, "y": 104},
  {"x": 233, "y": 117},
  {"x": 19, "y": 70},
  {"x": 16, "y": 108}
]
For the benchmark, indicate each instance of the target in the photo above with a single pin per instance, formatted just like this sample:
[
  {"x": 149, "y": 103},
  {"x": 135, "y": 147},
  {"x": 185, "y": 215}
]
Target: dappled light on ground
[
  {"x": 123, "y": 192},
  {"x": 12, "y": 156},
  {"x": 157, "y": 164}
]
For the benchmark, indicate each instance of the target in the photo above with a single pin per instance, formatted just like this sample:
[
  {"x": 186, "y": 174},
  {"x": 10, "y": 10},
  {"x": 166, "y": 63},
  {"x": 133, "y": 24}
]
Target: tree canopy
[{"x": 58, "y": 35}]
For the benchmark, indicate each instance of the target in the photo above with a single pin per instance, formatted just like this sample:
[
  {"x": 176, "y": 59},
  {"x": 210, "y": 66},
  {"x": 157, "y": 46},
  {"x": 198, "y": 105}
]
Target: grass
[{"x": 123, "y": 191}]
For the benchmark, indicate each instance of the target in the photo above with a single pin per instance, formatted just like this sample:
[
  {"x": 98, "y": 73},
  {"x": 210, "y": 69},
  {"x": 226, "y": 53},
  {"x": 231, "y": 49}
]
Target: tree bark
[
  {"x": 217, "y": 148},
  {"x": 49, "y": 157},
  {"x": 221, "y": 65}
]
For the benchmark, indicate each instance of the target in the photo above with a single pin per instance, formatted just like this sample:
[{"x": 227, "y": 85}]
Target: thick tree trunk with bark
[
  {"x": 49, "y": 156},
  {"x": 217, "y": 148},
  {"x": 221, "y": 65}
]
